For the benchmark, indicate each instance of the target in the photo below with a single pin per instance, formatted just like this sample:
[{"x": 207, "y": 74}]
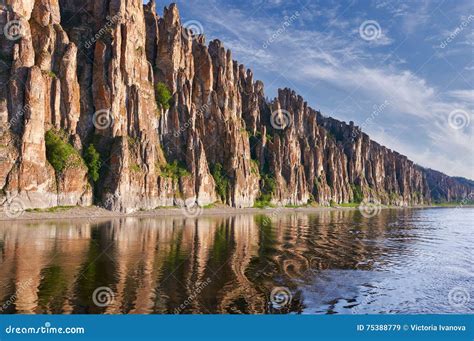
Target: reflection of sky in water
[
  {"x": 401, "y": 261},
  {"x": 417, "y": 279}
]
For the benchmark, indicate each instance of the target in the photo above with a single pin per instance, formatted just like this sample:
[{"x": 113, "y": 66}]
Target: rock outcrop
[
  {"x": 444, "y": 188},
  {"x": 89, "y": 70}
]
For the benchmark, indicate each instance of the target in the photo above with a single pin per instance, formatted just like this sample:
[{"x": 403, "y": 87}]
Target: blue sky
[{"x": 402, "y": 70}]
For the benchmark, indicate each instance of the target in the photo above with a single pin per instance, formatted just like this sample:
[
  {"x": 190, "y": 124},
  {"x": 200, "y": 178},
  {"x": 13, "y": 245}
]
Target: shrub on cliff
[
  {"x": 221, "y": 180},
  {"x": 92, "y": 158},
  {"x": 59, "y": 152},
  {"x": 163, "y": 96},
  {"x": 268, "y": 184},
  {"x": 358, "y": 194},
  {"x": 173, "y": 170}
]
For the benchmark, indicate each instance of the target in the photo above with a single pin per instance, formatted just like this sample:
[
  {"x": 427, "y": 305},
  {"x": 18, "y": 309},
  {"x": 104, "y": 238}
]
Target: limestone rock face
[
  {"x": 90, "y": 69},
  {"x": 41, "y": 92}
]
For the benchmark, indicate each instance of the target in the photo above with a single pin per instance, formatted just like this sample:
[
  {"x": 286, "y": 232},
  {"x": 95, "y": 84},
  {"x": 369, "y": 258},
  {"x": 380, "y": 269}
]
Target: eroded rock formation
[{"x": 89, "y": 70}]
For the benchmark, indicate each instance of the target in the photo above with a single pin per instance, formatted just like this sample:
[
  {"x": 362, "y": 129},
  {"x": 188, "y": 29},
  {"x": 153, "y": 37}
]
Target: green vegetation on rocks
[
  {"x": 358, "y": 194},
  {"x": 59, "y": 152},
  {"x": 255, "y": 166},
  {"x": 92, "y": 158},
  {"x": 135, "y": 167},
  {"x": 222, "y": 181},
  {"x": 268, "y": 189},
  {"x": 174, "y": 170},
  {"x": 163, "y": 96},
  {"x": 50, "y": 209}
]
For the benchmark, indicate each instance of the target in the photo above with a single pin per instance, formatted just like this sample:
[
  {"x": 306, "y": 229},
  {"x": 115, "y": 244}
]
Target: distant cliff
[{"x": 87, "y": 80}]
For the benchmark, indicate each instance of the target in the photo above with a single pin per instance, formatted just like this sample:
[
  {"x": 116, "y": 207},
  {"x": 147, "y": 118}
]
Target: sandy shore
[
  {"x": 93, "y": 212},
  {"x": 97, "y": 213}
]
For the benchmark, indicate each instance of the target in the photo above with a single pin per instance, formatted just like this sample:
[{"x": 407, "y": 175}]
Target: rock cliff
[{"x": 88, "y": 71}]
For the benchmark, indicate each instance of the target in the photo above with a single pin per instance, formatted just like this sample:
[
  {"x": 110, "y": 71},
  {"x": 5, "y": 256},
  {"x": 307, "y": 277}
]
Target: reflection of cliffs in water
[
  {"x": 38, "y": 265},
  {"x": 230, "y": 264}
]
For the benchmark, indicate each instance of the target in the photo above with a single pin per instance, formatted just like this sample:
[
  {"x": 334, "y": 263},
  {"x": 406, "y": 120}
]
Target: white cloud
[
  {"x": 416, "y": 16},
  {"x": 463, "y": 95},
  {"x": 434, "y": 155},
  {"x": 339, "y": 58}
]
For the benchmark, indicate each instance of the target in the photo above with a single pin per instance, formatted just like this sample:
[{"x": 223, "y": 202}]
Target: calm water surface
[{"x": 401, "y": 261}]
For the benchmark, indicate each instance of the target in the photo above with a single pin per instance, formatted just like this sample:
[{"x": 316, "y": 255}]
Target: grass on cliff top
[{"x": 59, "y": 152}]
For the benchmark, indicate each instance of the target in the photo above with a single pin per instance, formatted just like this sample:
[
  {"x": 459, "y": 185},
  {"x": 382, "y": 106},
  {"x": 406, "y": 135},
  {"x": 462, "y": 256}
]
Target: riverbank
[{"x": 98, "y": 213}]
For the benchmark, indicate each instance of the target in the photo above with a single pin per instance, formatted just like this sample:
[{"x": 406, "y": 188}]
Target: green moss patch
[{"x": 60, "y": 153}]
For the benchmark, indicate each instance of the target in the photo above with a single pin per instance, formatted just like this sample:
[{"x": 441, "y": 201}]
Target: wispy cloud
[
  {"x": 324, "y": 49},
  {"x": 466, "y": 96}
]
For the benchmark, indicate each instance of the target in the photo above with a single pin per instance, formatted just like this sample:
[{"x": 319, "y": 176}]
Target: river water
[{"x": 333, "y": 262}]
